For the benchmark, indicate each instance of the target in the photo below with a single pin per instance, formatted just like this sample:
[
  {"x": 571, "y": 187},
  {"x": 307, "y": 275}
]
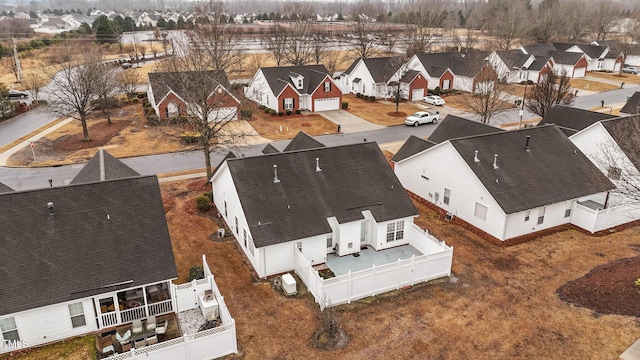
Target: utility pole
[{"x": 17, "y": 60}]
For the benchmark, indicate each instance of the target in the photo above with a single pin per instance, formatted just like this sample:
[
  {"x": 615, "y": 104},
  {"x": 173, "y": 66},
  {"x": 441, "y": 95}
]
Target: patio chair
[
  {"x": 140, "y": 343},
  {"x": 151, "y": 323},
  {"x": 136, "y": 326},
  {"x": 104, "y": 344},
  {"x": 124, "y": 338},
  {"x": 161, "y": 329},
  {"x": 152, "y": 340}
]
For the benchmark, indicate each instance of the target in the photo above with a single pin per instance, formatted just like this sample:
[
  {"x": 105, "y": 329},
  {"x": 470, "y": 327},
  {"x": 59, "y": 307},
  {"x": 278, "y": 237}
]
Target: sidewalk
[{"x": 32, "y": 137}]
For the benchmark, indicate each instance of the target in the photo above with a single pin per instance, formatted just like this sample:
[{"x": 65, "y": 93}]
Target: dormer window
[{"x": 300, "y": 83}]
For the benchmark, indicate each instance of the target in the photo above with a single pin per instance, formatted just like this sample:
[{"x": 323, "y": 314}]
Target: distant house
[
  {"x": 85, "y": 257},
  {"x": 571, "y": 120},
  {"x": 574, "y": 64},
  {"x": 291, "y": 88},
  {"x": 507, "y": 184},
  {"x": 599, "y": 57},
  {"x": 632, "y": 106},
  {"x": 170, "y": 97}
]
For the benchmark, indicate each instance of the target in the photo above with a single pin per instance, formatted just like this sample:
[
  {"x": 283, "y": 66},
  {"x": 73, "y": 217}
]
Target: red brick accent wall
[
  {"x": 223, "y": 100},
  {"x": 321, "y": 94},
  {"x": 582, "y": 63},
  {"x": 448, "y": 75},
  {"x": 172, "y": 98},
  {"x": 419, "y": 82},
  {"x": 288, "y": 93}
]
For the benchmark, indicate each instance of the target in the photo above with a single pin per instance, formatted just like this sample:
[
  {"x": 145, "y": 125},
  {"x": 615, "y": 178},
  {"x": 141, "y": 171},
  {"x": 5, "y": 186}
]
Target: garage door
[
  {"x": 417, "y": 94},
  {"x": 579, "y": 72},
  {"x": 326, "y": 104},
  {"x": 223, "y": 114}
]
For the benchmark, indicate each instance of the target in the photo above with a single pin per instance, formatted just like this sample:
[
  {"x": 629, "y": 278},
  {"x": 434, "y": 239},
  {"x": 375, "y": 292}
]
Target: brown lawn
[
  {"x": 596, "y": 86},
  {"x": 379, "y": 112},
  {"x": 461, "y": 101},
  {"x": 627, "y": 78}
]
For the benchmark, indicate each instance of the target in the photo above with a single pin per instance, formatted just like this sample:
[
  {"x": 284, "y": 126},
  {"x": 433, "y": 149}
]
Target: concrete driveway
[{"x": 348, "y": 122}]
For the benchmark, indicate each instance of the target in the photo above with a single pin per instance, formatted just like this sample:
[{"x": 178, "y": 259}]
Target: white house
[
  {"x": 512, "y": 66},
  {"x": 506, "y": 184},
  {"x": 574, "y": 64},
  {"x": 599, "y": 57},
  {"x": 291, "y": 88},
  {"x": 84, "y": 257},
  {"x": 320, "y": 200}
]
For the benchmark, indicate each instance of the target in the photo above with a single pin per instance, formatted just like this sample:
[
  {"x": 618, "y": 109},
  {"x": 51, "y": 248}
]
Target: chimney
[
  {"x": 275, "y": 174},
  {"x": 495, "y": 161},
  {"x": 526, "y": 145},
  {"x": 102, "y": 169},
  {"x": 318, "y": 165},
  {"x": 475, "y": 157},
  {"x": 52, "y": 210}
]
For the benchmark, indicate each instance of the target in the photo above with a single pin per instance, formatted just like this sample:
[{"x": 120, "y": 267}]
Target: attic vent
[
  {"x": 526, "y": 145},
  {"x": 52, "y": 209},
  {"x": 475, "y": 157},
  {"x": 495, "y": 161},
  {"x": 275, "y": 174},
  {"x": 318, "y": 165}
]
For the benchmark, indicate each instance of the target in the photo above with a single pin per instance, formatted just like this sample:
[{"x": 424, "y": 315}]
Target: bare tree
[
  {"x": 364, "y": 42},
  {"x": 75, "y": 83},
  {"x": 34, "y": 82},
  {"x": 553, "y": 88},
  {"x": 106, "y": 87},
  {"x": 508, "y": 21},
  {"x": 547, "y": 22},
  {"x": 9, "y": 64},
  {"x": 128, "y": 81},
  {"x": 276, "y": 42},
  {"x": 489, "y": 95},
  {"x": 396, "y": 70},
  {"x": 298, "y": 47},
  {"x": 577, "y": 20},
  {"x": 318, "y": 46},
  {"x": 605, "y": 18}
]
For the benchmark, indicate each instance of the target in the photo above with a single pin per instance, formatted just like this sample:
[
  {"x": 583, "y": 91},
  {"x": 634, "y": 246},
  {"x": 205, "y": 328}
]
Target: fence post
[
  {"x": 399, "y": 275},
  {"x": 412, "y": 267},
  {"x": 373, "y": 287},
  {"x": 349, "y": 287}
]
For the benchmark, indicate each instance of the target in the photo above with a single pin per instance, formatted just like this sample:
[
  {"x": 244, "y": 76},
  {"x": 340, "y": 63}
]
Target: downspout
[
  {"x": 606, "y": 200},
  {"x": 504, "y": 230}
]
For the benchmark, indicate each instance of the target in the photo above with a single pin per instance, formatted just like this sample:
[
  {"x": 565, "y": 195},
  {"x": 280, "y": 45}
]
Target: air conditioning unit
[
  {"x": 289, "y": 284},
  {"x": 221, "y": 233},
  {"x": 449, "y": 216}
]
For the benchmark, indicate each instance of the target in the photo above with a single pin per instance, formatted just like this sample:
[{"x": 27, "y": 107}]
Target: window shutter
[
  {"x": 293, "y": 103},
  {"x": 283, "y": 103}
]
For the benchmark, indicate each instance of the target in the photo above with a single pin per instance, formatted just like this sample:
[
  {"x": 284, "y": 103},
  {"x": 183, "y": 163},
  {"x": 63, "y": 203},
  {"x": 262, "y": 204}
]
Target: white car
[
  {"x": 433, "y": 100},
  {"x": 422, "y": 117}
]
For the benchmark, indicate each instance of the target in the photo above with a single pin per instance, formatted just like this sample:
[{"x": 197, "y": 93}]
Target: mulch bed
[
  {"x": 100, "y": 134},
  {"x": 397, "y": 114},
  {"x": 607, "y": 289}
]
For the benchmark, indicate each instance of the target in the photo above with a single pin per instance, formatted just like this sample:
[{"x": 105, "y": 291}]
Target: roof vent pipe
[
  {"x": 318, "y": 165},
  {"x": 526, "y": 145},
  {"x": 52, "y": 209},
  {"x": 275, "y": 174},
  {"x": 475, "y": 157},
  {"x": 495, "y": 161}
]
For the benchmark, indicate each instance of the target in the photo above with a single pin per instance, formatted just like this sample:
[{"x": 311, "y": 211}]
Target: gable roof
[
  {"x": 162, "y": 83},
  {"x": 4, "y": 188},
  {"x": 279, "y": 77},
  {"x": 552, "y": 170},
  {"x": 620, "y": 129},
  {"x": 352, "y": 66},
  {"x": 102, "y": 233},
  {"x": 302, "y": 141},
  {"x": 539, "y": 49},
  {"x": 103, "y": 166},
  {"x": 409, "y": 76},
  {"x": 566, "y": 58},
  {"x": 353, "y": 178},
  {"x": 382, "y": 68},
  {"x": 459, "y": 64},
  {"x": 538, "y": 64},
  {"x": 571, "y": 120},
  {"x": 632, "y": 104},
  {"x": 591, "y": 50},
  {"x": 453, "y": 127},
  {"x": 412, "y": 146},
  {"x": 513, "y": 58},
  {"x": 270, "y": 149}
]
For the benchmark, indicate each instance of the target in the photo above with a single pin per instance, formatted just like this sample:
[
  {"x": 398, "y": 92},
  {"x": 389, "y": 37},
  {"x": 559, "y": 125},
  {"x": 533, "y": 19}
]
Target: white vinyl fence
[
  {"x": 434, "y": 263},
  {"x": 596, "y": 220},
  {"x": 207, "y": 344}
]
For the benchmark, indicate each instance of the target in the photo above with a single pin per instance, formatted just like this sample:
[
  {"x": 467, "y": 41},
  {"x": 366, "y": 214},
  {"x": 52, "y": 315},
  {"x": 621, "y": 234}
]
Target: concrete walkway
[
  {"x": 37, "y": 135},
  {"x": 348, "y": 122},
  {"x": 633, "y": 352}
]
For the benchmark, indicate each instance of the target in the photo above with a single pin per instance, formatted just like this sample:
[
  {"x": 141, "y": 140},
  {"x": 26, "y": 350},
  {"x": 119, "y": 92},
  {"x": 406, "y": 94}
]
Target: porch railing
[
  {"x": 133, "y": 314},
  {"x": 109, "y": 319},
  {"x": 161, "y": 307}
]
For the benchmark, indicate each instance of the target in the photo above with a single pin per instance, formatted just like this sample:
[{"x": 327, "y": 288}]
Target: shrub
[
  {"x": 190, "y": 137},
  {"x": 209, "y": 194},
  {"x": 267, "y": 110},
  {"x": 289, "y": 112},
  {"x": 372, "y": 98},
  {"x": 262, "y": 107},
  {"x": 202, "y": 203},
  {"x": 272, "y": 112},
  {"x": 298, "y": 111},
  {"x": 437, "y": 90},
  {"x": 246, "y": 114},
  {"x": 345, "y": 105},
  {"x": 358, "y": 95},
  {"x": 280, "y": 113},
  {"x": 196, "y": 272},
  {"x": 135, "y": 99}
]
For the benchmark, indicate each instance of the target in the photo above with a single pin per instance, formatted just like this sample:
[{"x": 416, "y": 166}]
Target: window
[
  {"x": 395, "y": 231},
  {"x": 541, "y": 215},
  {"x": 225, "y": 208},
  {"x": 329, "y": 240},
  {"x": 245, "y": 238},
  {"x": 288, "y": 103},
  {"x": 76, "y": 311},
  {"x": 527, "y": 215},
  {"x": 614, "y": 173},
  {"x": 447, "y": 196},
  {"x": 252, "y": 246},
  {"x": 327, "y": 86},
  {"x": 299, "y": 82},
  {"x": 436, "y": 197},
  {"x": 363, "y": 88},
  {"x": 480, "y": 212},
  {"x": 237, "y": 230},
  {"x": 9, "y": 329}
]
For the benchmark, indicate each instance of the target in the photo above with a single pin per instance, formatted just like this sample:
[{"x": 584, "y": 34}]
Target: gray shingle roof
[
  {"x": 412, "y": 146},
  {"x": 102, "y": 233},
  {"x": 566, "y": 58},
  {"x": 353, "y": 178},
  {"x": 103, "y": 166},
  {"x": 279, "y": 77},
  {"x": 631, "y": 106},
  {"x": 302, "y": 141},
  {"x": 552, "y": 171},
  {"x": 453, "y": 127},
  {"x": 571, "y": 118},
  {"x": 352, "y": 66},
  {"x": 539, "y": 49},
  {"x": 270, "y": 149},
  {"x": 624, "y": 132},
  {"x": 513, "y": 58},
  {"x": 183, "y": 83},
  {"x": 382, "y": 68},
  {"x": 459, "y": 65},
  {"x": 4, "y": 188}
]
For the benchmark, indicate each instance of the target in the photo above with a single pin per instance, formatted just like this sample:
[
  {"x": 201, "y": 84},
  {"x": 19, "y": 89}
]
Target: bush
[
  {"x": 267, "y": 110},
  {"x": 345, "y": 105},
  {"x": 246, "y": 114},
  {"x": 272, "y": 112},
  {"x": 372, "y": 98},
  {"x": 358, "y": 95},
  {"x": 190, "y": 137},
  {"x": 262, "y": 107},
  {"x": 289, "y": 112},
  {"x": 280, "y": 113},
  {"x": 196, "y": 272},
  {"x": 437, "y": 90},
  {"x": 209, "y": 194},
  {"x": 202, "y": 203},
  {"x": 297, "y": 111}
]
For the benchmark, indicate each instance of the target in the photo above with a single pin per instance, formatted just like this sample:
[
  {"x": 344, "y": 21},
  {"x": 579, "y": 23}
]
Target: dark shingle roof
[
  {"x": 539, "y": 49},
  {"x": 537, "y": 65},
  {"x": 382, "y": 68},
  {"x": 592, "y": 51},
  {"x": 631, "y": 106},
  {"x": 302, "y": 141},
  {"x": 412, "y": 146},
  {"x": 552, "y": 171},
  {"x": 566, "y": 58},
  {"x": 4, "y": 188},
  {"x": 624, "y": 132},
  {"x": 453, "y": 127},
  {"x": 459, "y": 65},
  {"x": 103, "y": 166},
  {"x": 352, "y": 66},
  {"x": 270, "y": 149},
  {"x": 513, "y": 58},
  {"x": 353, "y": 178},
  {"x": 102, "y": 233},
  {"x": 162, "y": 83},
  {"x": 279, "y": 77},
  {"x": 436, "y": 71},
  {"x": 575, "y": 119}
]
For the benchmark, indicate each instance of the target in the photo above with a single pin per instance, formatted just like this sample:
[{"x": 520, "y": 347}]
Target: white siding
[
  {"x": 51, "y": 323},
  {"x": 362, "y": 72},
  {"x": 463, "y": 83},
  {"x": 553, "y": 216},
  {"x": 379, "y": 240},
  {"x": 260, "y": 91},
  {"x": 279, "y": 257},
  {"x": 349, "y": 233},
  {"x": 442, "y": 167}
]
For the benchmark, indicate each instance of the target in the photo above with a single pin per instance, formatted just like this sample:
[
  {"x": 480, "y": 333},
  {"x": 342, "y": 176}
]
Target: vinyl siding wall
[
  {"x": 279, "y": 257},
  {"x": 260, "y": 92}
]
